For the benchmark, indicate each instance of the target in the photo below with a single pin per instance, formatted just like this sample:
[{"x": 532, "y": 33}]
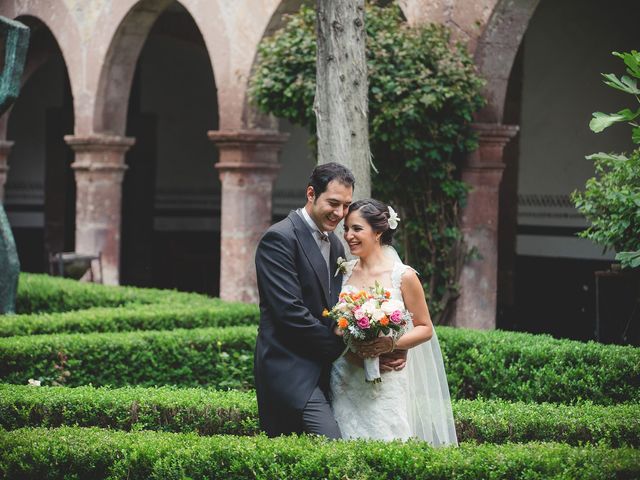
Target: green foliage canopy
[
  {"x": 611, "y": 199},
  {"x": 423, "y": 91}
]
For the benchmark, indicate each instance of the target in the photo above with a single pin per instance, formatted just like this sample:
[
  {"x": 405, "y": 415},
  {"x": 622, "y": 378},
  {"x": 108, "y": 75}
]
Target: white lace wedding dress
[{"x": 410, "y": 403}]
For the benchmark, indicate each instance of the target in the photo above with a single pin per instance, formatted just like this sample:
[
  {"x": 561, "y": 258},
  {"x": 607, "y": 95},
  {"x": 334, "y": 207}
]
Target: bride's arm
[{"x": 414, "y": 301}]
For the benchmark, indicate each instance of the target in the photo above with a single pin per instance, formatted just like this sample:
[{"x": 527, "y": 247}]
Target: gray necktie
[{"x": 325, "y": 247}]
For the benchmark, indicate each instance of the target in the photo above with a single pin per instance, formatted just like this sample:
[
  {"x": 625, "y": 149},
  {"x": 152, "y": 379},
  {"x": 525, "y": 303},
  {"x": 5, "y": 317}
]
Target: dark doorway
[{"x": 171, "y": 190}]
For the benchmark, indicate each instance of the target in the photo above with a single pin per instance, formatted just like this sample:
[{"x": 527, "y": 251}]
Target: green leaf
[
  {"x": 606, "y": 156},
  {"x": 632, "y": 61},
  {"x": 600, "y": 120},
  {"x": 629, "y": 259},
  {"x": 626, "y": 84},
  {"x": 635, "y": 135}
]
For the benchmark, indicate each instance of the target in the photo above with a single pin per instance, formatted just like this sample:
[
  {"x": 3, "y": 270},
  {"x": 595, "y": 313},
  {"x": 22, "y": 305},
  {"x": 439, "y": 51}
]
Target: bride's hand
[
  {"x": 395, "y": 360},
  {"x": 374, "y": 348}
]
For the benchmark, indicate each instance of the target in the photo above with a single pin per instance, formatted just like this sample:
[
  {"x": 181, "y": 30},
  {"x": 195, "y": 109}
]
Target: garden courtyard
[{"x": 122, "y": 382}]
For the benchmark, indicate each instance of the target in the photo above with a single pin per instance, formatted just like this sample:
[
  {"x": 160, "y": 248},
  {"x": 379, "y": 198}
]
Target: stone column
[
  {"x": 99, "y": 168},
  {"x": 248, "y": 167},
  {"x": 476, "y": 306},
  {"x": 5, "y": 149}
]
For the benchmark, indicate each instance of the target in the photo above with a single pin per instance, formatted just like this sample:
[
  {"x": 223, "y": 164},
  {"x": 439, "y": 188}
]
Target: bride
[{"x": 413, "y": 402}]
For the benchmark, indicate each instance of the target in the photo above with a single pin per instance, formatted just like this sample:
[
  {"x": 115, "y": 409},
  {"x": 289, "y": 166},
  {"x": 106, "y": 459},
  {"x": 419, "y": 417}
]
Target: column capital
[
  {"x": 492, "y": 138},
  {"x": 5, "y": 146},
  {"x": 99, "y": 152},
  {"x": 248, "y": 149},
  {"x": 99, "y": 142},
  {"x": 495, "y": 132}
]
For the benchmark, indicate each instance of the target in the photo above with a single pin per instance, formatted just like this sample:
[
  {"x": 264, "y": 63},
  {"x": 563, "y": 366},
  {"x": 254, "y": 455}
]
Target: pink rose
[
  {"x": 396, "y": 317},
  {"x": 363, "y": 322}
]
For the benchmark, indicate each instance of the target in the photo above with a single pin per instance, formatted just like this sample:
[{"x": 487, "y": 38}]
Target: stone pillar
[
  {"x": 99, "y": 168},
  {"x": 5, "y": 149},
  {"x": 248, "y": 167},
  {"x": 476, "y": 306}
]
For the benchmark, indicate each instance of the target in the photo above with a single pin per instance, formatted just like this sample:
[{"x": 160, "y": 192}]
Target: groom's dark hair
[{"x": 327, "y": 172}]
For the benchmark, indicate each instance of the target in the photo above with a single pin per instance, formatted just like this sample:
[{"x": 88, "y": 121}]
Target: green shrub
[
  {"x": 499, "y": 421},
  {"x": 43, "y": 293},
  {"x": 507, "y": 365},
  {"x": 215, "y": 357},
  {"x": 160, "y": 316},
  {"x": 100, "y": 453},
  {"x": 209, "y": 412},
  {"x": 423, "y": 92},
  {"x": 538, "y": 368},
  {"x": 200, "y": 410}
]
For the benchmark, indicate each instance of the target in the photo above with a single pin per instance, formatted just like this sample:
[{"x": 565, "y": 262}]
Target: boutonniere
[{"x": 342, "y": 266}]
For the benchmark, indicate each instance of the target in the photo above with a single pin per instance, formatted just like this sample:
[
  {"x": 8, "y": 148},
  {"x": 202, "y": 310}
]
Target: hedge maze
[{"x": 140, "y": 383}]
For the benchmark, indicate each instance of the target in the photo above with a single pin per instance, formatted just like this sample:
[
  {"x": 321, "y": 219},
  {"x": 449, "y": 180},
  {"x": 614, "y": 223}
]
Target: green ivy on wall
[{"x": 423, "y": 91}]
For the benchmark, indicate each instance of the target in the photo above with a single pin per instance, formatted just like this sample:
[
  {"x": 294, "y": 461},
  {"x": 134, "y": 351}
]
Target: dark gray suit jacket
[{"x": 295, "y": 345}]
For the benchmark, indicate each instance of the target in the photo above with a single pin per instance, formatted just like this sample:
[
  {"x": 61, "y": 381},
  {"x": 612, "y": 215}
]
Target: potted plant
[{"x": 611, "y": 204}]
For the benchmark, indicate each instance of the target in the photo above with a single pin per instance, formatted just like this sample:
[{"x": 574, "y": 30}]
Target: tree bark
[{"x": 341, "y": 89}]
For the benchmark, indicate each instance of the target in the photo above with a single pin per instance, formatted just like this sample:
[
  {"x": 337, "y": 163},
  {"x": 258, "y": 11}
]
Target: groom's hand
[{"x": 395, "y": 360}]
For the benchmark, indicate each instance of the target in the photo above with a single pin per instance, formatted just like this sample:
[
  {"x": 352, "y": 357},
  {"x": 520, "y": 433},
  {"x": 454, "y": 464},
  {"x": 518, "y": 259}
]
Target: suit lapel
[{"x": 312, "y": 252}]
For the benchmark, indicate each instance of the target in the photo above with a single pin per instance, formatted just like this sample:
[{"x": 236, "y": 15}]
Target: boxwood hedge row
[
  {"x": 507, "y": 365},
  {"x": 209, "y": 412},
  {"x": 45, "y": 294},
  {"x": 160, "y": 316},
  {"x": 538, "y": 368},
  {"x": 215, "y": 357},
  {"x": 73, "y": 452}
]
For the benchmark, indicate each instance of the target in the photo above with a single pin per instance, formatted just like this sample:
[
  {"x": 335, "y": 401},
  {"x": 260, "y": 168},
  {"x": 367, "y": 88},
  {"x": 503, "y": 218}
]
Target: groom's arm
[{"x": 280, "y": 290}]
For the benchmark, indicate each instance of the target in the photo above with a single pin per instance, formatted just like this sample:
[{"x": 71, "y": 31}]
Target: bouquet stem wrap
[{"x": 372, "y": 370}]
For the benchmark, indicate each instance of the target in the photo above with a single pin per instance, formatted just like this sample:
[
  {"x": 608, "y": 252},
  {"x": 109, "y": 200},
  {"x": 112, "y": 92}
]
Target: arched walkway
[{"x": 40, "y": 191}]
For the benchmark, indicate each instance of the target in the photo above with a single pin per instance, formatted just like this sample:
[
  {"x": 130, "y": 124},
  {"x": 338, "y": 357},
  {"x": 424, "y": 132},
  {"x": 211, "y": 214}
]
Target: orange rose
[
  {"x": 342, "y": 323},
  {"x": 387, "y": 293},
  {"x": 384, "y": 321}
]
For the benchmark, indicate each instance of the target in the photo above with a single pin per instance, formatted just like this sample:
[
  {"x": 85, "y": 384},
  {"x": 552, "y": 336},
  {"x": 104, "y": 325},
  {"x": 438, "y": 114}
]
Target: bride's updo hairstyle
[{"x": 376, "y": 213}]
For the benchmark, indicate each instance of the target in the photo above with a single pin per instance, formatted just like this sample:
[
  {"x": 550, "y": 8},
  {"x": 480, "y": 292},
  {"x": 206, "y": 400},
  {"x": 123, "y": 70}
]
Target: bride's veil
[{"x": 429, "y": 402}]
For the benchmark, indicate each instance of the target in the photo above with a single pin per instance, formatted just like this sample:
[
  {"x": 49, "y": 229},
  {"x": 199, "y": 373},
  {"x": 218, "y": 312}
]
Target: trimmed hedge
[
  {"x": 99, "y": 453},
  {"x": 167, "y": 409},
  {"x": 215, "y": 357},
  {"x": 209, "y": 412},
  {"x": 39, "y": 293},
  {"x": 499, "y": 421},
  {"x": 538, "y": 368},
  {"x": 162, "y": 316},
  {"x": 507, "y": 365}
]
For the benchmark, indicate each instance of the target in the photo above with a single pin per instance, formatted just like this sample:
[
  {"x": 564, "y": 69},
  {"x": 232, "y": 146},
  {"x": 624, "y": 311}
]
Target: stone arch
[
  {"x": 41, "y": 49},
  {"x": 116, "y": 75},
  {"x": 54, "y": 16},
  {"x": 496, "y": 52},
  {"x": 118, "y": 66},
  {"x": 38, "y": 158}
]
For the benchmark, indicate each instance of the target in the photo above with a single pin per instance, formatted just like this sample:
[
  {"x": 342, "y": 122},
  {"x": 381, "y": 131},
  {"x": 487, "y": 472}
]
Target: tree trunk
[{"x": 341, "y": 89}]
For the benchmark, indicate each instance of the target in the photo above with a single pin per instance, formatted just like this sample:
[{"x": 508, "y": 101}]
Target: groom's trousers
[{"x": 316, "y": 417}]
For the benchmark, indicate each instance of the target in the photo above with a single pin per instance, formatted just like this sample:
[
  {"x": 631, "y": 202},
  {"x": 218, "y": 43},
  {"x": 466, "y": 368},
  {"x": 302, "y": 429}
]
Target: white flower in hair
[{"x": 393, "y": 219}]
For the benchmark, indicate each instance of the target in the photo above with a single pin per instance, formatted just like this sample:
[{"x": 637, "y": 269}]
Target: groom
[{"x": 295, "y": 264}]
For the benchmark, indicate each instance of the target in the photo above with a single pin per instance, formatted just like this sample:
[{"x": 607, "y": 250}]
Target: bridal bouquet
[{"x": 366, "y": 315}]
